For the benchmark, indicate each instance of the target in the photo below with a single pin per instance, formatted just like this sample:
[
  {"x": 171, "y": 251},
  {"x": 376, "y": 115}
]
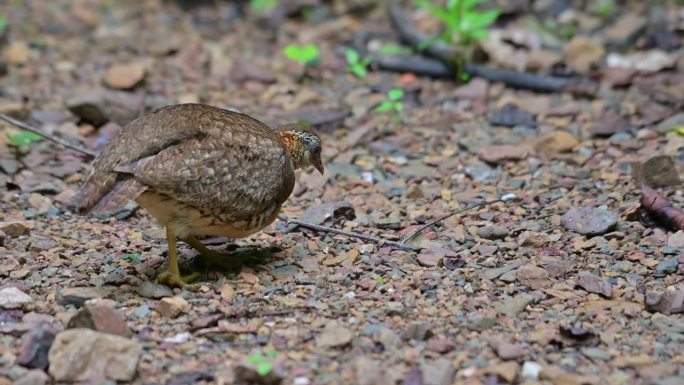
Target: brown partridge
[{"x": 199, "y": 170}]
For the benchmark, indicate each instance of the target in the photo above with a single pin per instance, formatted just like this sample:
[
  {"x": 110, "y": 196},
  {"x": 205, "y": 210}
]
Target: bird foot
[{"x": 176, "y": 280}]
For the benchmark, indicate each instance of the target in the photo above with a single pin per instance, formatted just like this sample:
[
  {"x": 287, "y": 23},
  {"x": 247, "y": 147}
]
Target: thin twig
[
  {"x": 349, "y": 234},
  {"x": 26, "y": 127},
  {"x": 422, "y": 228}
]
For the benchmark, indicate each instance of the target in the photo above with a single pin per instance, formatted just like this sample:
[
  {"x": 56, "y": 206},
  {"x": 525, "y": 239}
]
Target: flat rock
[
  {"x": 15, "y": 229},
  {"x": 556, "y": 142},
  {"x": 102, "y": 318},
  {"x": 86, "y": 355},
  {"x": 626, "y": 30},
  {"x": 35, "y": 345},
  {"x": 171, "y": 307},
  {"x": 589, "y": 220},
  {"x": 150, "y": 289},
  {"x": 100, "y": 106},
  {"x": 670, "y": 301},
  {"x": 334, "y": 335},
  {"x": 512, "y": 306},
  {"x": 499, "y": 271},
  {"x": 533, "y": 239},
  {"x": 594, "y": 284},
  {"x": 33, "y": 377},
  {"x": 584, "y": 54},
  {"x": 16, "y": 52},
  {"x": 533, "y": 277},
  {"x": 502, "y": 153},
  {"x": 510, "y": 115},
  {"x": 78, "y": 295},
  {"x": 124, "y": 76},
  {"x": 492, "y": 232},
  {"x": 429, "y": 259},
  {"x": 13, "y": 298},
  {"x": 657, "y": 171},
  {"x": 438, "y": 372},
  {"x": 670, "y": 123}
]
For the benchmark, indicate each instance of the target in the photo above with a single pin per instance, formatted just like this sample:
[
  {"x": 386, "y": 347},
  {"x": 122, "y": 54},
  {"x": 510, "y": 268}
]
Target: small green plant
[
  {"x": 357, "y": 65},
  {"x": 263, "y": 363},
  {"x": 263, "y": 5},
  {"x": 462, "y": 20},
  {"x": 132, "y": 257},
  {"x": 303, "y": 54},
  {"x": 23, "y": 138},
  {"x": 393, "y": 102},
  {"x": 3, "y": 24},
  {"x": 604, "y": 8}
]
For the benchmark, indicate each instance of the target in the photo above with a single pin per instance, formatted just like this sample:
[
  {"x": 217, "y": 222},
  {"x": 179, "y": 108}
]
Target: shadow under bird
[{"x": 199, "y": 171}]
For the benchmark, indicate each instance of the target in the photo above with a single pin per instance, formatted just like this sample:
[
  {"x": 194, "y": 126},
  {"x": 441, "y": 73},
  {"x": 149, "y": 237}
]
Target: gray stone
[
  {"x": 589, "y": 220},
  {"x": 668, "y": 266},
  {"x": 438, "y": 372},
  {"x": 492, "y": 232},
  {"x": 13, "y": 298},
  {"x": 150, "y": 289},
  {"x": 33, "y": 377},
  {"x": 78, "y": 295},
  {"x": 497, "y": 272},
  {"x": 594, "y": 284},
  {"x": 334, "y": 335},
  {"x": 670, "y": 123}
]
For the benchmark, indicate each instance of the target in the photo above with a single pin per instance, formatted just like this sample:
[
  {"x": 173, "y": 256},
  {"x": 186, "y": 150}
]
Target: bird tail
[{"x": 106, "y": 193}]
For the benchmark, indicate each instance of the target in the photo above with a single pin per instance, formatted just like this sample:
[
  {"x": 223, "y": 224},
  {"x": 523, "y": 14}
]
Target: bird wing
[
  {"x": 166, "y": 128},
  {"x": 240, "y": 172}
]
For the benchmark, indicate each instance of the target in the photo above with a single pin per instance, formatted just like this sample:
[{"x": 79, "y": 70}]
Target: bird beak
[{"x": 318, "y": 164}]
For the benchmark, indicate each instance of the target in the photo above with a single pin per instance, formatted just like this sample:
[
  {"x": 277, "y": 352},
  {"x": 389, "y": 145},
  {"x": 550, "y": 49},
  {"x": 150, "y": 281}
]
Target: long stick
[
  {"x": 26, "y": 127},
  {"x": 349, "y": 234}
]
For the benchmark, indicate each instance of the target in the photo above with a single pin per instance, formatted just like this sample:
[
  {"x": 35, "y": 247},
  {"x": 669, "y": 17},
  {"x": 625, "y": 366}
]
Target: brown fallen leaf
[{"x": 660, "y": 209}]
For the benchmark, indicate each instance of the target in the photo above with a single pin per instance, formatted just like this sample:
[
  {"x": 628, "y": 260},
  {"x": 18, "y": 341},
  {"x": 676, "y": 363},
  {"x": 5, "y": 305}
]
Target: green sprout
[
  {"x": 461, "y": 19},
  {"x": 604, "y": 8},
  {"x": 23, "y": 138},
  {"x": 356, "y": 65},
  {"x": 263, "y": 5},
  {"x": 263, "y": 363},
  {"x": 303, "y": 54},
  {"x": 3, "y": 24},
  {"x": 393, "y": 102},
  {"x": 132, "y": 257}
]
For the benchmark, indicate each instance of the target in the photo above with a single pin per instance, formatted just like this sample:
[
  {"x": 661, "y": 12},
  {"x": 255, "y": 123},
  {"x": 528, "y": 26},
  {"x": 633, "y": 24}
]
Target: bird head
[{"x": 303, "y": 145}]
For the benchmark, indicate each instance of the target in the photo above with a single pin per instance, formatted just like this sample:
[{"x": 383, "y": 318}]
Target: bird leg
[
  {"x": 232, "y": 260},
  {"x": 171, "y": 276}
]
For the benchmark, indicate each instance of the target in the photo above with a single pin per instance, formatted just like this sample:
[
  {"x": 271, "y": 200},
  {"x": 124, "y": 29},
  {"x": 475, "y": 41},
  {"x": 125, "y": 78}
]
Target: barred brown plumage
[{"x": 199, "y": 170}]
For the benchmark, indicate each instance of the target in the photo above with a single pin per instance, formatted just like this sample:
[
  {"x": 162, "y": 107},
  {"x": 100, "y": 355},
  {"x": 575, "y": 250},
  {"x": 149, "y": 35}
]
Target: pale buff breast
[{"x": 187, "y": 220}]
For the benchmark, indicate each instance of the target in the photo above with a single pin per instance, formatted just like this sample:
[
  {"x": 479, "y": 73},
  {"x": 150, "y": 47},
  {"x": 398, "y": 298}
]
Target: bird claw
[{"x": 176, "y": 280}]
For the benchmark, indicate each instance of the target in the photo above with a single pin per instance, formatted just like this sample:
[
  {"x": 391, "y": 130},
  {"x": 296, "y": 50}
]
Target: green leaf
[
  {"x": 255, "y": 358},
  {"x": 264, "y": 368},
  {"x": 263, "y": 5},
  {"x": 352, "y": 56},
  {"x": 384, "y": 106},
  {"x": 359, "y": 70},
  {"x": 398, "y": 106},
  {"x": 395, "y": 94},
  {"x": 679, "y": 130},
  {"x": 272, "y": 353},
  {"x": 301, "y": 53},
  {"x": 478, "y": 20},
  {"x": 133, "y": 257},
  {"x": 3, "y": 24},
  {"x": 23, "y": 138}
]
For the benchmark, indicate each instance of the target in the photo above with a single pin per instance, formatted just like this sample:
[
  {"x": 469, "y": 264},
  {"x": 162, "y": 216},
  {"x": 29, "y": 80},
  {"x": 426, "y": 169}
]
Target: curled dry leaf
[{"x": 660, "y": 209}]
